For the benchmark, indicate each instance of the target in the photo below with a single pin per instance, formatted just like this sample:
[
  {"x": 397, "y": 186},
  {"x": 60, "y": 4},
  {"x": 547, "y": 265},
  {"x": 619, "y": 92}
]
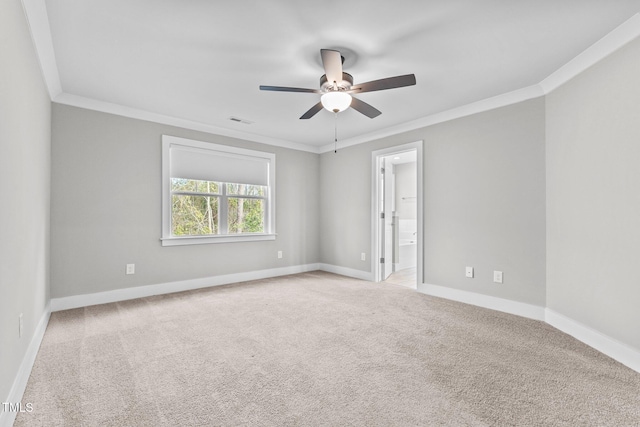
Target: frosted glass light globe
[{"x": 336, "y": 101}]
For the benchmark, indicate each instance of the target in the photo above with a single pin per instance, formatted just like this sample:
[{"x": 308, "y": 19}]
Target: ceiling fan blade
[
  {"x": 364, "y": 108},
  {"x": 289, "y": 89},
  {"x": 382, "y": 84},
  {"x": 332, "y": 62},
  {"x": 312, "y": 111}
]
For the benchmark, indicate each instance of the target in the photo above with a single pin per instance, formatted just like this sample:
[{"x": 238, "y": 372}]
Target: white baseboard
[
  {"x": 344, "y": 271},
  {"x": 76, "y": 301},
  {"x": 618, "y": 351},
  {"x": 22, "y": 376},
  {"x": 494, "y": 303},
  {"x": 615, "y": 349}
]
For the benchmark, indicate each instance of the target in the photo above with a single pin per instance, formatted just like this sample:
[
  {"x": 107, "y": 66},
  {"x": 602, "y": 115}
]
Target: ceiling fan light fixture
[
  {"x": 336, "y": 101},
  {"x": 335, "y": 86}
]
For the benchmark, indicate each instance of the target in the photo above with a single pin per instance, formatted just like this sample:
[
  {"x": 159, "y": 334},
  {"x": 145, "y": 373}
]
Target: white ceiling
[{"x": 203, "y": 60}]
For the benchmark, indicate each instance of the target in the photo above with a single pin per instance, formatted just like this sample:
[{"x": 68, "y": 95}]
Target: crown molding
[
  {"x": 134, "y": 113},
  {"x": 38, "y": 20},
  {"x": 610, "y": 43},
  {"x": 487, "y": 104},
  {"x": 615, "y": 40}
]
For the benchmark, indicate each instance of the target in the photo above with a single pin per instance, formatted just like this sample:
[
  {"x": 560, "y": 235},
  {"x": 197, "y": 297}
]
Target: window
[{"x": 215, "y": 193}]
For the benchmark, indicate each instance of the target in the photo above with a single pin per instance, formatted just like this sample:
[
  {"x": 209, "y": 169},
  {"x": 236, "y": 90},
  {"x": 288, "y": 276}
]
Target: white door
[{"x": 386, "y": 219}]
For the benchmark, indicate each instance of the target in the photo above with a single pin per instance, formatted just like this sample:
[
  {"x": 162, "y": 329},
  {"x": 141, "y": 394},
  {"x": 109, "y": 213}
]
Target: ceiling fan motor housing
[{"x": 343, "y": 85}]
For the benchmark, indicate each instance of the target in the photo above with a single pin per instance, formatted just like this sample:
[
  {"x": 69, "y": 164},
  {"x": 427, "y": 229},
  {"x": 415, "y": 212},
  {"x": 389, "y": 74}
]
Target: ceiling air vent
[{"x": 239, "y": 120}]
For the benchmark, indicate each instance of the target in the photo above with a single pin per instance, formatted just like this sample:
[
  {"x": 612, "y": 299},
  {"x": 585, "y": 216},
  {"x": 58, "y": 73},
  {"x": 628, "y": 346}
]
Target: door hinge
[
  {"x": 381, "y": 215},
  {"x": 381, "y": 260},
  {"x": 382, "y": 171}
]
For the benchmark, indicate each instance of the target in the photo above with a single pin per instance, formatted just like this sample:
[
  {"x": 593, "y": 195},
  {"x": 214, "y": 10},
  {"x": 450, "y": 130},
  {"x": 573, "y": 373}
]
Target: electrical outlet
[
  {"x": 469, "y": 272},
  {"x": 20, "y": 325},
  {"x": 131, "y": 269},
  {"x": 363, "y": 256},
  {"x": 279, "y": 254},
  {"x": 497, "y": 276}
]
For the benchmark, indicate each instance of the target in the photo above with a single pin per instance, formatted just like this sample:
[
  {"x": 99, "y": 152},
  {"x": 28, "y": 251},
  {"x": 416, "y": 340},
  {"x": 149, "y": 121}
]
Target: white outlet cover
[
  {"x": 469, "y": 272},
  {"x": 131, "y": 269},
  {"x": 279, "y": 254},
  {"x": 497, "y": 276}
]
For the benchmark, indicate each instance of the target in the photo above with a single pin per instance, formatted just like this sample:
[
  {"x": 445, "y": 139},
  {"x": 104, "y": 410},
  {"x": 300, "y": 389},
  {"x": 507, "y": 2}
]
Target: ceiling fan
[{"x": 336, "y": 88}]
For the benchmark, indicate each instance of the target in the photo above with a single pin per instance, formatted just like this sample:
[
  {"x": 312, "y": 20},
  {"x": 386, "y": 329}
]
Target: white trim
[
  {"x": 613, "y": 348},
  {"x": 530, "y": 311},
  {"x": 616, "y": 39},
  {"x": 134, "y": 113},
  {"x": 610, "y": 43},
  {"x": 503, "y": 100},
  {"x": 345, "y": 271},
  {"x": 375, "y": 208},
  {"x": 38, "y": 21},
  {"x": 22, "y": 376},
  {"x": 36, "y": 13},
  {"x": 205, "y": 240},
  {"x": 480, "y": 106},
  {"x": 76, "y": 301}
]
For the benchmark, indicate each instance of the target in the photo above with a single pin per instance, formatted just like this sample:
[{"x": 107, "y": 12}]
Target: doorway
[{"x": 397, "y": 215}]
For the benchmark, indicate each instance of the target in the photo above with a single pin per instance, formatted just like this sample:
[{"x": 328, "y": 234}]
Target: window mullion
[
  {"x": 242, "y": 196},
  {"x": 193, "y": 193},
  {"x": 267, "y": 218},
  {"x": 224, "y": 211}
]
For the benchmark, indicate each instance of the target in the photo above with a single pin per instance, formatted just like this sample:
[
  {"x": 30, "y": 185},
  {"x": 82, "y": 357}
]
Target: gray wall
[
  {"x": 25, "y": 120},
  {"x": 345, "y": 207},
  {"x": 484, "y": 202},
  {"x": 106, "y": 201},
  {"x": 593, "y": 197}
]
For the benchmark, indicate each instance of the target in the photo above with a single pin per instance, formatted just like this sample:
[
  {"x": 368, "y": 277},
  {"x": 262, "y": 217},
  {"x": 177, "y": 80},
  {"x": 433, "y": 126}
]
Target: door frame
[
  {"x": 387, "y": 179},
  {"x": 376, "y": 157}
]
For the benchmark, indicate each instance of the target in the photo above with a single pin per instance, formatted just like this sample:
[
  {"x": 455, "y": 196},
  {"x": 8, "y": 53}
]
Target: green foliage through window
[
  {"x": 198, "y": 208},
  {"x": 194, "y": 215},
  {"x": 194, "y": 186},
  {"x": 246, "y": 215}
]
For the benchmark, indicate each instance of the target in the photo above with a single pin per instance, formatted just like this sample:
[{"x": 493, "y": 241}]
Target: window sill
[{"x": 204, "y": 240}]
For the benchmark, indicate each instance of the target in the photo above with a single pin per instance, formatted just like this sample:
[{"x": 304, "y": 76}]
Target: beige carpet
[{"x": 317, "y": 349}]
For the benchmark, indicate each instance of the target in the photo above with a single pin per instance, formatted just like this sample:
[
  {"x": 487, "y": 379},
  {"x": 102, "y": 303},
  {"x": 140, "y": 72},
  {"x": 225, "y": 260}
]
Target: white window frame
[{"x": 168, "y": 239}]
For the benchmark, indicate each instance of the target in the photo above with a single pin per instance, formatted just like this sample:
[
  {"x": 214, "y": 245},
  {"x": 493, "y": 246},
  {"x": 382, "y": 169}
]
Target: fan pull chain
[{"x": 335, "y": 136}]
